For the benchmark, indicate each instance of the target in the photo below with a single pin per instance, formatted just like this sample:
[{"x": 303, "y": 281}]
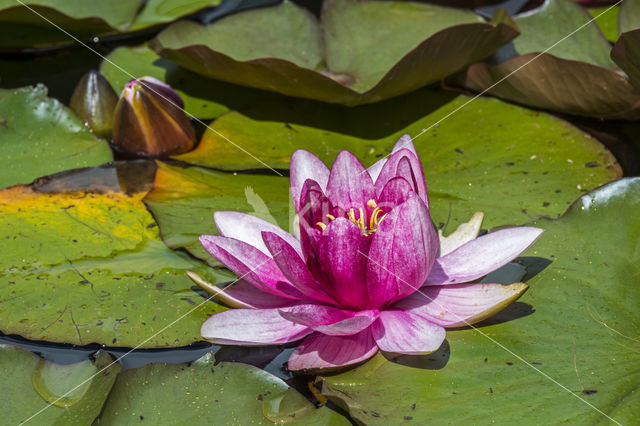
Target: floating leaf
[
  {"x": 39, "y": 136},
  {"x": 201, "y": 393},
  {"x": 30, "y": 384},
  {"x": 157, "y": 12},
  {"x": 183, "y": 202},
  {"x": 23, "y": 26},
  {"x": 89, "y": 267},
  {"x": 607, "y": 20},
  {"x": 510, "y": 162},
  {"x": 629, "y": 15},
  {"x": 372, "y": 50},
  {"x": 626, "y": 53},
  {"x": 576, "y": 327},
  {"x": 576, "y": 76}
]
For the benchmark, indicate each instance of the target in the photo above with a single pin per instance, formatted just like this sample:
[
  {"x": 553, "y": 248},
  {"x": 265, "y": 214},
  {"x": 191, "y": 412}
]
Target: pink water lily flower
[{"x": 365, "y": 273}]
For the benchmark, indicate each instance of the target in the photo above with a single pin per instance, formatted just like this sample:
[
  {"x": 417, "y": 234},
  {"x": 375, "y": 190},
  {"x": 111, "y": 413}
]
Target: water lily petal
[
  {"x": 304, "y": 165},
  {"x": 322, "y": 351},
  {"x": 462, "y": 304},
  {"x": 349, "y": 185},
  {"x": 294, "y": 268},
  {"x": 466, "y": 232},
  {"x": 252, "y": 327},
  {"x": 315, "y": 205},
  {"x": 241, "y": 294},
  {"x": 406, "y": 333},
  {"x": 482, "y": 255},
  {"x": 329, "y": 320},
  {"x": 251, "y": 265},
  {"x": 395, "y": 192},
  {"x": 247, "y": 228},
  {"x": 404, "y": 142},
  {"x": 406, "y": 164},
  {"x": 401, "y": 253},
  {"x": 341, "y": 265}
]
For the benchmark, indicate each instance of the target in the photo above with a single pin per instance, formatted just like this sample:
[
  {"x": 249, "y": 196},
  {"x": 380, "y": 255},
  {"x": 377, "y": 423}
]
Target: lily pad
[
  {"x": 40, "y": 136},
  {"x": 361, "y": 52},
  {"x": 204, "y": 393},
  {"x": 157, "y": 12},
  {"x": 576, "y": 76},
  {"x": 199, "y": 93},
  {"x": 626, "y": 53},
  {"x": 87, "y": 267},
  {"x": 568, "y": 353},
  {"x": 513, "y": 163},
  {"x": 183, "y": 201},
  {"x": 23, "y": 26},
  {"x": 30, "y": 384},
  {"x": 607, "y": 20},
  {"x": 629, "y": 16}
]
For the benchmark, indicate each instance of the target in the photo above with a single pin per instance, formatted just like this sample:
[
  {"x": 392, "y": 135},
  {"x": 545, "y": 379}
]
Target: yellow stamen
[
  {"x": 361, "y": 223},
  {"x": 321, "y": 225},
  {"x": 331, "y": 217},
  {"x": 374, "y": 217},
  {"x": 372, "y": 204}
]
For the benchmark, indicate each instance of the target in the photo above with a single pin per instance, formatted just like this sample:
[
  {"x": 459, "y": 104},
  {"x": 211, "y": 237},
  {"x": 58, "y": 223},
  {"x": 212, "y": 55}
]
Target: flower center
[{"x": 359, "y": 217}]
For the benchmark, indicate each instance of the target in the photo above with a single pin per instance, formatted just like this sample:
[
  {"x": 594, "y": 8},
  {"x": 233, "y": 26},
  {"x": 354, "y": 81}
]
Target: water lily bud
[
  {"x": 94, "y": 101},
  {"x": 150, "y": 120}
]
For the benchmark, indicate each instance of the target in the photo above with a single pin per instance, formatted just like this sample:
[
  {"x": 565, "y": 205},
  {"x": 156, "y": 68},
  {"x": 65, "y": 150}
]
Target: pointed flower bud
[
  {"x": 150, "y": 120},
  {"x": 94, "y": 101}
]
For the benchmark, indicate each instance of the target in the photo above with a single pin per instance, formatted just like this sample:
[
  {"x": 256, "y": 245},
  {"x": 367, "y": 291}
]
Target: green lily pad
[
  {"x": 23, "y": 26},
  {"x": 30, "y": 384},
  {"x": 40, "y": 136},
  {"x": 607, "y": 20},
  {"x": 157, "y": 12},
  {"x": 183, "y": 202},
  {"x": 580, "y": 329},
  {"x": 513, "y": 163},
  {"x": 199, "y": 93},
  {"x": 204, "y": 393},
  {"x": 629, "y": 19},
  {"x": 576, "y": 76},
  {"x": 626, "y": 53},
  {"x": 362, "y": 52},
  {"x": 87, "y": 267}
]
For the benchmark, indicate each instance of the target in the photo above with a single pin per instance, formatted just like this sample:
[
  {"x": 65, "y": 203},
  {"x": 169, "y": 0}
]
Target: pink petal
[
  {"x": 482, "y": 255},
  {"x": 241, "y": 294},
  {"x": 462, "y": 304},
  {"x": 251, "y": 265},
  {"x": 406, "y": 333},
  {"x": 315, "y": 205},
  {"x": 247, "y": 228},
  {"x": 406, "y": 164},
  {"x": 322, "y": 351},
  {"x": 304, "y": 165},
  {"x": 401, "y": 253},
  {"x": 329, "y": 320},
  {"x": 349, "y": 185},
  {"x": 252, "y": 327},
  {"x": 294, "y": 268},
  {"x": 395, "y": 192},
  {"x": 341, "y": 265},
  {"x": 404, "y": 142}
]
